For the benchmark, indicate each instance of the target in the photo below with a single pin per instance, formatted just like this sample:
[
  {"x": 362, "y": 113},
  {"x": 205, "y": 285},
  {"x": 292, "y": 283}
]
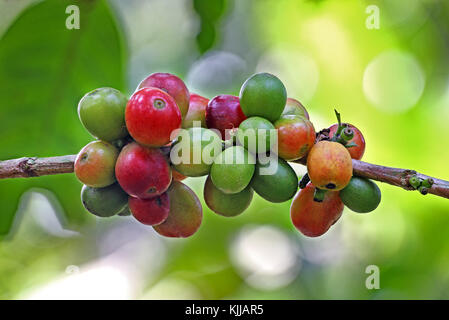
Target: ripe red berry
[
  {"x": 296, "y": 136},
  {"x": 142, "y": 172},
  {"x": 185, "y": 215},
  {"x": 224, "y": 112},
  {"x": 177, "y": 175},
  {"x": 314, "y": 218},
  {"x": 172, "y": 85},
  {"x": 197, "y": 111},
  {"x": 152, "y": 116},
  {"x": 355, "y": 152},
  {"x": 294, "y": 107},
  {"x": 152, "y": 211}
]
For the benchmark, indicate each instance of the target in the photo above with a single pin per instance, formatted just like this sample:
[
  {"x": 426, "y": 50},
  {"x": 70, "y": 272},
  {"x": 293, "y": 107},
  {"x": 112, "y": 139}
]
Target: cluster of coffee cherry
[{"x": 147, "y": 144}]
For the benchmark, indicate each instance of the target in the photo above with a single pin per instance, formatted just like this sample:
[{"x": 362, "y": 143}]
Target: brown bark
[{"x": 34, "y": 167}]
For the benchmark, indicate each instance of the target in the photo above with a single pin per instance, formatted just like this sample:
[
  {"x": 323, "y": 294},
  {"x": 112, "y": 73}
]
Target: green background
[{"x": 391, "y": 82}]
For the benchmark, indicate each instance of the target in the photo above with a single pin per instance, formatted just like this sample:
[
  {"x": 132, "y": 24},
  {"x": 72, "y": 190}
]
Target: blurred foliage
[
  {"x": 209, "y": 13},
  {"x": 325, "y": 55},
  {"x": 45, "y": 69}
]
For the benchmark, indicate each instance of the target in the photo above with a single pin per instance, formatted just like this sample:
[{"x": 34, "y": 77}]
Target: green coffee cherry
[
  {"x": 233, "y": 169},
  {"x": 201, "y": 147},
  {"x": 102, "y": 113},
  {"x": 263, "y": 95},
  {"x": 227, "y": 205},
  {"x": 104, "y": 202},
  {"x": 254, "y": 131},
  {"x": 361, "y": 195},
  {"x": 279, "y": 185}
]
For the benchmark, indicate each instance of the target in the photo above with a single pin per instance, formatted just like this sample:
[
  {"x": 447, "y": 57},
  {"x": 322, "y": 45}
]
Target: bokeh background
[{"x": 392, "y": 82}]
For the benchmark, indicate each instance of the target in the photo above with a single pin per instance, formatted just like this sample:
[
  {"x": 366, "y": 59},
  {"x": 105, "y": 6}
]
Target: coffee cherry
[
  {"x": 185, "y": 214},
  {"x": 233, "y": 169},
  {"x": 356, "y": 152},
  {"x": 120, "y": 143},
  {"x": 224, "y": 112},
  {"x": 152, "y": 211},
  {"x": 296, "y": 136},
  {"x": 295, "y": 108},
  {"x": 194, "y": 151},
  {"x": 152, "y": 116},
  {"x": 275, "y": 181},
  {"x": 197, "y": 111},
  {"x": 125, "y": 212},
  {"x": 95, "y": 164},
  {"x": 170, "y": 84},
  {"x": 102, "y": 113},
  {"x": 329, "y": 165},
  {"x": 314, "y": 218},
  {"x": 361, "y": 195},
  {"x": 256, "y": 130},
  {"x": 227, "y": 205},
  {"x": 142, "y": 172},
  {"x": 177, "y": 175},
  {"x": 104, "y": 202},
  {"x": 263, "y": 95}
]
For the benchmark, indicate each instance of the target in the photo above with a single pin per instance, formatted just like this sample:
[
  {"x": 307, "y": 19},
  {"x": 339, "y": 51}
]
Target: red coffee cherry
[
  {"x": 142, "y": 172},
  {"x": 358, "y": 139},
  {"x": 295, "y": 108},
  {"x": 151, "y": 116},
  {"x": 224, "y": 112},
  {"x": 314, "y": 218},
  {"x": 296, "y": 136},
  {"x": 185, "y": 214},
  {"x": 329, "y": 165},
  {"x": 177, "y": 175},
  {"x": 152, "y": 211},
  {"x": 197, "y": 111},
  {"x": 170, "y": 84}
]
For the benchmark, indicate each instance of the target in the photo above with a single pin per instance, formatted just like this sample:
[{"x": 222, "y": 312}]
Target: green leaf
[
  {"x": 45, "y": 69},
  {"x": 209, "y": 13}
]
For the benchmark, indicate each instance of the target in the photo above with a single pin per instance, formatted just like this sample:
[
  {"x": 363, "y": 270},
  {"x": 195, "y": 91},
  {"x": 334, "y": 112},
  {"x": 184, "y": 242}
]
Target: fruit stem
[
  {"x": 347, "y": 134},
  {"x": 340, "y": 127},
  {"x": 318, "y": 196},
  {"x": 350, "y": 145}
]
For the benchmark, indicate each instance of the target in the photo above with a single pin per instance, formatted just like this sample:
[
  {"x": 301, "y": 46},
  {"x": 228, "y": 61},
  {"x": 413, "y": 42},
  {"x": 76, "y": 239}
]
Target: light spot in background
[
  {"x": 325, "y": 250},
  {"x": 172, "y": 288},
  {"x": 39, "y": 210},
  {"x": 44, "y": 215},
  {"x": 334, "y": 49},
  {"x": 130, "y": 256},
  {"x": 134, "y": 248},
  {"x": 148, "y": 26},
  {"x": 96, "y": 282},
  {"x": 265, "y": 256},
  {"x": 300, "y": 169},
  {"x": 379, "y": 233},
  {"x": 217, "y": 72},
  {"x": 393, "y": 81},
  {"x": 444, "y": 105},
  {"x": 297, "y": 70},
  {"x": 319, "y": 122}
]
